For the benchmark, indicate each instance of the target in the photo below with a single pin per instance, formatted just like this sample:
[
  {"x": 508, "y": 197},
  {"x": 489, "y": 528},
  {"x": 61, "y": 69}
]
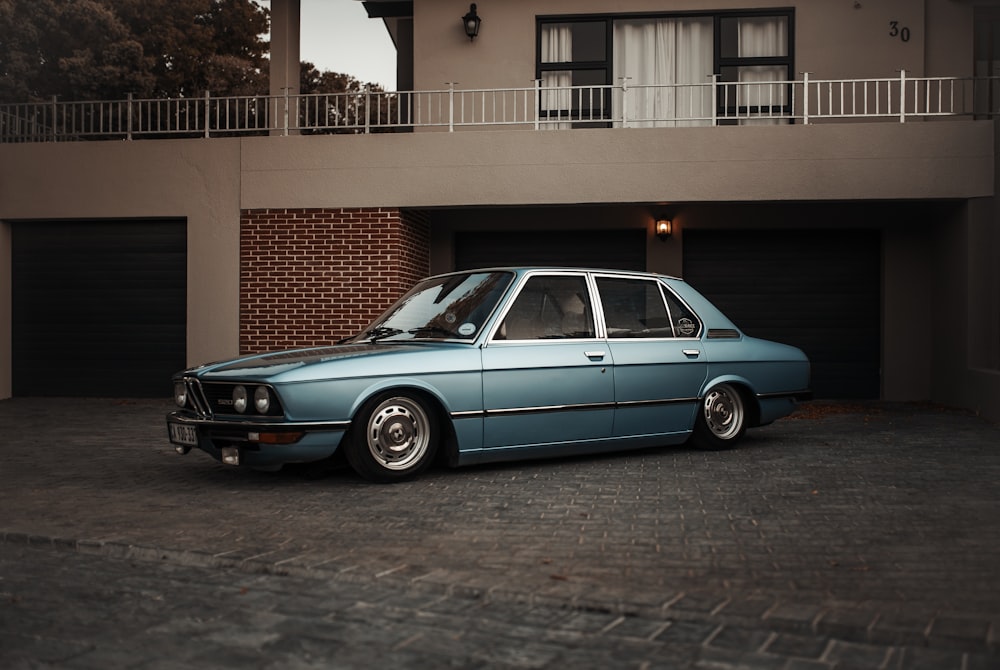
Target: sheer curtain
[
  {"x": 663, "y": 60},
  {"x": 764, "y": 36},
  {"x": 557, "y": 47}
]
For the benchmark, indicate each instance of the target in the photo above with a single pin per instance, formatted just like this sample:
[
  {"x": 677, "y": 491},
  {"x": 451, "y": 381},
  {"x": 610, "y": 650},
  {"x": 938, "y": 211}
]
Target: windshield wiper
[
  {"x": 438, "y": 330},
  {"x": 377, "y": 333}
]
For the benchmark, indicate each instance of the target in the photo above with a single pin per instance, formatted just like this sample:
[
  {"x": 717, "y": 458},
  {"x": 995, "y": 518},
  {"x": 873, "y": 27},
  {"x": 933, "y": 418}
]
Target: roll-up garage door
[
  {"x": 613, "y": 249},
  {"x": 98, "y": 307},
  {"x": 817, "y": 290}
]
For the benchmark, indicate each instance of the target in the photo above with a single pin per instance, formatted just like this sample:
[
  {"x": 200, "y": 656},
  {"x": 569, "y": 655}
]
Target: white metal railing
[{"x": 711, "y": 103}]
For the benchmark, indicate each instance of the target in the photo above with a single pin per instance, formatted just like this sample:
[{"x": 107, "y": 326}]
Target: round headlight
[
  {"x": 180, "y": 394},
  {"x": 262, "y": 399},
  {"x": 240, "y": 399}
]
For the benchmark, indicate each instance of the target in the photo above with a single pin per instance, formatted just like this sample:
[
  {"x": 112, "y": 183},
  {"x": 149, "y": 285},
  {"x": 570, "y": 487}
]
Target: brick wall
[{"x": 313, "y": 276}]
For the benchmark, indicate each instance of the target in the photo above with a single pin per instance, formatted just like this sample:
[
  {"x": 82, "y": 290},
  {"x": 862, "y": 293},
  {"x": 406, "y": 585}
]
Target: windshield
[{"x": 450, "y": 307}]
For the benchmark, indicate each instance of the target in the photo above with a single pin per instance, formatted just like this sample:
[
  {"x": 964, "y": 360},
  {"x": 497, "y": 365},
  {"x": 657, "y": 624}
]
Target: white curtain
[
  {"x": 556, "y": 96},
  {"x": 763, "y": 36},
  {"x": 667, "y": 64}
]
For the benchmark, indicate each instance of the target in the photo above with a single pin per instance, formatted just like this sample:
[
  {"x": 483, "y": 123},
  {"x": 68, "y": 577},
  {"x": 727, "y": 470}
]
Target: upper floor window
[
  {"x": 574, "y": 53},
  {"x": 666, "y": 62}
]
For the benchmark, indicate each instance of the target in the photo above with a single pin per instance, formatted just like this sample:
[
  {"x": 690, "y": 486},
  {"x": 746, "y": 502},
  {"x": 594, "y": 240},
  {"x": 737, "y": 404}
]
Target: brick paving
[{"x": 848, "y": 536}]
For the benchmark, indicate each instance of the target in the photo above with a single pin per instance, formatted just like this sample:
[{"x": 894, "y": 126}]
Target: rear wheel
[
  {"x": 393, "y": 437},
  {"x": 722, "y": 418}
]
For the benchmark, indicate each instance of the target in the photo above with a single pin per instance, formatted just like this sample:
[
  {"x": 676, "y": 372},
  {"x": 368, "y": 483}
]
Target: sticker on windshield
[
  {"x": 450, "y": 317},
  {"x": 686, "y": 326},
  {"x": 467, "y": 329}
]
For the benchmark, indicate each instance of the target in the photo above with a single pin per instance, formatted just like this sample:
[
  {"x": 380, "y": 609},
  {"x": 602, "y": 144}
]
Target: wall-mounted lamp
[
  {"x": 664, "y": 228},
  {"x": 471, "y": 22}
]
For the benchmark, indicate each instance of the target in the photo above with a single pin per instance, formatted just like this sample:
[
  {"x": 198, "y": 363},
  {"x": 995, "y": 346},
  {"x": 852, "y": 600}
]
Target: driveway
[{"x": 848, "y": 535}]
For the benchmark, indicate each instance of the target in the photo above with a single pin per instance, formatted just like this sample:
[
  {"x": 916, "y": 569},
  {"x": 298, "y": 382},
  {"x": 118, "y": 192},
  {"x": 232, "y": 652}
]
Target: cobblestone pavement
[{"x": 848, "y": 536}]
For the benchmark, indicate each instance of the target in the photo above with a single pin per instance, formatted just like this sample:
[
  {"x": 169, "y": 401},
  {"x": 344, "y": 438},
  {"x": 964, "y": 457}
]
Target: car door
[
  {"x": 547, "y": 378},
  {"x": 660, "y": 365}
]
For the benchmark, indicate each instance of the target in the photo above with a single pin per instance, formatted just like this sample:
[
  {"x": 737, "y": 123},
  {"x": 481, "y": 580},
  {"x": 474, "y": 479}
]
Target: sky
[{"x": 338, "y": 36}]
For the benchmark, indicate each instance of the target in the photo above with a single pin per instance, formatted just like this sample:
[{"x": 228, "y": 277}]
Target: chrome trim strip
[
  {"x": 550, "y": 408},
  {"x": 509, "y": 411},
  {"x": 467, "y": 414},
  {"x": 646, "y": 403},
  {"x": 176, "y": 417}
]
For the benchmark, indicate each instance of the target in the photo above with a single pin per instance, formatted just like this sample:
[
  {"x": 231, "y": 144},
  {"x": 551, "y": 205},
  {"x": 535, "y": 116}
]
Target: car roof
[{"x": 527, "y": 269}]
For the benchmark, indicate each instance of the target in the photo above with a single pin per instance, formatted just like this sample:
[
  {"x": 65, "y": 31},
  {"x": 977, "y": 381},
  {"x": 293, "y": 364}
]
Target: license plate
[{"x": 181, "y": 434}]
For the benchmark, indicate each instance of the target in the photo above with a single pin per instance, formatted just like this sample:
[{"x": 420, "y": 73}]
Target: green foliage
[
  {"x": 106, "y": 49},
  {"x": 312, "y": 80},
  {"x": 347, "y": 106}
]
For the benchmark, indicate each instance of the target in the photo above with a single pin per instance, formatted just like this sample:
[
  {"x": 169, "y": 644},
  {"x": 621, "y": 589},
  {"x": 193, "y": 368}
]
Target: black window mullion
[
  {"x": 723, "y": 108},
  {"x": 718, "y": 61}
]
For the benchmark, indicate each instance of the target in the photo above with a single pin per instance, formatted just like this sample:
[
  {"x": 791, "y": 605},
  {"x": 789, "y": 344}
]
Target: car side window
[
  {"x": 633, "y": 308},
  {"x": 685, "y": 322},
  {"x": 549, "y": 307}
]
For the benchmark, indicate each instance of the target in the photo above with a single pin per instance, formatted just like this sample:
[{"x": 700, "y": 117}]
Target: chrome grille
[{"x": 196, "y": 398}]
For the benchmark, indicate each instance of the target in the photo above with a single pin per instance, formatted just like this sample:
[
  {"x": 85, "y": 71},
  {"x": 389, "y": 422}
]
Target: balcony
[{"x": 714, "y": 103}]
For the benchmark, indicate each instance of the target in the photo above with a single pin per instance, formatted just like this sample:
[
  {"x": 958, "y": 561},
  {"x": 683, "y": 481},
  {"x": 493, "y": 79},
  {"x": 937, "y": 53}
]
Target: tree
[
  {"x": 349, "y": 101},
  {"x": 107, "y": 49},
  {"x": 199, "y": 45},
  {"x": 48, "y": 46}
]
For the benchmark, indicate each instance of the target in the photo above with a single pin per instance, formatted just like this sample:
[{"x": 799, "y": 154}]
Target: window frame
[
  {"x": 590, "y": 310},
  {"x": 667, "y": 295},
  {"x": 582, "y": 116},
  {"x": 649, "y": 285},
  {"x": 719, "y": 62}
]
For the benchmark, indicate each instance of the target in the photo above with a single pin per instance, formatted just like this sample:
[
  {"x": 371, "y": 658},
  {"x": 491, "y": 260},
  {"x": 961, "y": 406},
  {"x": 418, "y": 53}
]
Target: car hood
[{"x": 347, "y": 359}]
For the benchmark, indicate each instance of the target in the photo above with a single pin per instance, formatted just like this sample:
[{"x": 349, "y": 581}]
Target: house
[{"x": 827, "y": 172}]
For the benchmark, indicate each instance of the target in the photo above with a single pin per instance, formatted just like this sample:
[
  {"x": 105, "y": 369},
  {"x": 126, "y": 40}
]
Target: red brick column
[{"x": 314, "y": 276}]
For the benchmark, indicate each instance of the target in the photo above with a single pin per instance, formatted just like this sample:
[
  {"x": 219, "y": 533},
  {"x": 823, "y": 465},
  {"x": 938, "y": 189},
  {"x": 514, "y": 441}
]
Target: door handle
[
  {"x": 691, "y": 352},
  {"x": 594, "y": 354}
]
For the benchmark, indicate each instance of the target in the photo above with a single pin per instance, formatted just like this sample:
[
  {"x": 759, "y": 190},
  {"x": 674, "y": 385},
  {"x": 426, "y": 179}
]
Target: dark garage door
[
  {"x": 818, "y": 290},
  {"x": 99, "y": 308},
  {"x": 617, "y": 249}
]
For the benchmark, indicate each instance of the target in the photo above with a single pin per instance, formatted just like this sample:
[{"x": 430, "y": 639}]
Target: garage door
[
  {"x": 616, "y": 249},
  {"x": 818, "y": 290},
  {"x": 98, "y": 308}
]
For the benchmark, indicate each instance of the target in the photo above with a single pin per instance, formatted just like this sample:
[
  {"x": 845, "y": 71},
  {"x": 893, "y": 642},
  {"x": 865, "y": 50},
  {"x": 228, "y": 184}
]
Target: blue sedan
[{"x": 497, "y": 364}]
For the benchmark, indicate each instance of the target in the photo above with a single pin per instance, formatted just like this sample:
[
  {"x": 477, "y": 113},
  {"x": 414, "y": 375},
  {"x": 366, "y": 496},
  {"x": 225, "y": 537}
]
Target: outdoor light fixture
[
  {"x": 664, "y": 228},
  {"x": 471, "y": 22}
]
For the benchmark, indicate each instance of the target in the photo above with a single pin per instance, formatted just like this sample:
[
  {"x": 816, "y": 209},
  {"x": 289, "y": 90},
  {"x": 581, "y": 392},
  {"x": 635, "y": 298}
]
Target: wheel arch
[
  {"x": 434, "y": 401},
  {"x": 751, "y": 403}
]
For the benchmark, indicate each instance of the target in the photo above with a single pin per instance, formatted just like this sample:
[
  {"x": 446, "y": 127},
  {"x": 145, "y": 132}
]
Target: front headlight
[
  {"x": 240, "y": 399},
  {"x": 180, "y": 394},
  {"x": 262, "y": 399}
]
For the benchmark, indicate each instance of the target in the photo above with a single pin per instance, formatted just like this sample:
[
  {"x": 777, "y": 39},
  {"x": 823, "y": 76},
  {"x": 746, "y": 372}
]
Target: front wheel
[
  {"x": 392, "y": 438},
  {"x": 722, "y": 418}
]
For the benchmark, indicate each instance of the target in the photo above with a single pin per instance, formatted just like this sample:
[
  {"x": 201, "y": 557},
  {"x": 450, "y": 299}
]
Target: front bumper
[{"x": 255, "y": 443}]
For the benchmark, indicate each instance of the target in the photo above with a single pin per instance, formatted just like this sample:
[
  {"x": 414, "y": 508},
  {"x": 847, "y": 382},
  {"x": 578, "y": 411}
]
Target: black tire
[
  {"x": 722, "y": 418},
  {"x": 393, "y": 437}
]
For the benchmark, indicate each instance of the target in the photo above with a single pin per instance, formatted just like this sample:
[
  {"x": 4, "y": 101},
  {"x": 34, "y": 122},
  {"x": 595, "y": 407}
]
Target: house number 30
[{"x": 902, "y": 32}]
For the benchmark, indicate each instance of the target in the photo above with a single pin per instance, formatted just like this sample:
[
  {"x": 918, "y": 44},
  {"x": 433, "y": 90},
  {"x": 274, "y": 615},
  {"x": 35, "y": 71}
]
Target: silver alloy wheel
[
  {"x": 398, "y": 433},
  {"x": 723, "y": 411}
]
